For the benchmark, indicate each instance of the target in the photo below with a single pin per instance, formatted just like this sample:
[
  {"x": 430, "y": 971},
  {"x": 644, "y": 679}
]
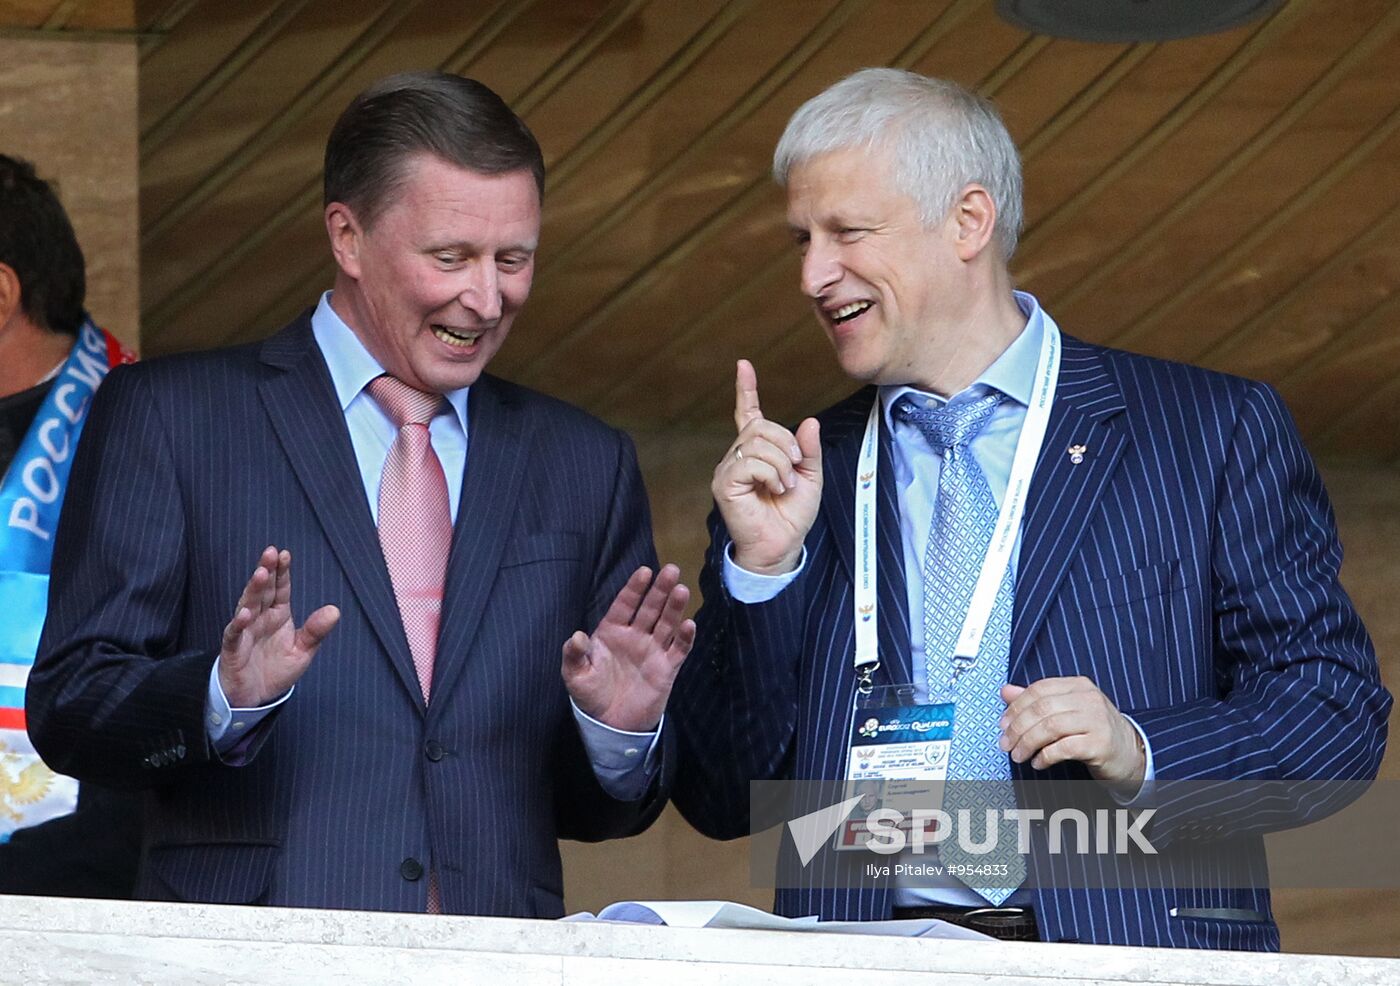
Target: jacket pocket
[
  {"x": 1127, "y": 633},
  {"x": 552, "y": 546},
  {"x": 1223, "y": 928},
  {"x": 1148, "y": 582},
  {"x": 214, "y": 873},
  {"x": 1234, "y": 915}
]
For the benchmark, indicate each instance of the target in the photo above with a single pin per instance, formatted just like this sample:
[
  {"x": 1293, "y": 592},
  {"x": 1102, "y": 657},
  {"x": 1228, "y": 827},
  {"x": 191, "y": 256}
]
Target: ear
[
  {"x": 10, "y": 294},
  {"x": 976, "y": 216},
  {"x": 347, "y": 236}
]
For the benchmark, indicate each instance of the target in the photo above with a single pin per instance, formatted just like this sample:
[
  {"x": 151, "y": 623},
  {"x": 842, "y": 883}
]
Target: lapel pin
[{"x": 1076, "y": 453}]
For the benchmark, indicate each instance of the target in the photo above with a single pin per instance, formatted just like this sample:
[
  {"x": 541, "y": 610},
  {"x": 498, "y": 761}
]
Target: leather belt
[{"x": 1004, "y": 923}]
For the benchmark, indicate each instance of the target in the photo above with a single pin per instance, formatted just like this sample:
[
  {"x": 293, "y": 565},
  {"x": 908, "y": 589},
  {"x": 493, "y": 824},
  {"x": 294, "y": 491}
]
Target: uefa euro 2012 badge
[{"x": 898, "y": 759}]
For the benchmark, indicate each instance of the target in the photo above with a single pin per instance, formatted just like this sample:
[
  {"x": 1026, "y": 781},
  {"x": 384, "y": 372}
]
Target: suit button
[
  {"x": 433, "y": 750},
  {"x": 411, "y": 869}
]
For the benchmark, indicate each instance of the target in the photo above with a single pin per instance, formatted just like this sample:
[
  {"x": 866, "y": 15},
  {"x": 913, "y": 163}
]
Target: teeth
[
  {"x": 846, "y": 311},
  {"x": 462, "y": 339}
]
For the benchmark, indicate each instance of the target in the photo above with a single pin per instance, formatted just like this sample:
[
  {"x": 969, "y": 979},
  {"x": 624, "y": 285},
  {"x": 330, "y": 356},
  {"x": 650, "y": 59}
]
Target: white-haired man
[{"x": 1086, "y": 562}]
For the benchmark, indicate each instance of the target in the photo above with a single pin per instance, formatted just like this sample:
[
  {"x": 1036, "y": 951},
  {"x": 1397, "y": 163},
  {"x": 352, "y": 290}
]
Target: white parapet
[{"x": 53, "y": 940}]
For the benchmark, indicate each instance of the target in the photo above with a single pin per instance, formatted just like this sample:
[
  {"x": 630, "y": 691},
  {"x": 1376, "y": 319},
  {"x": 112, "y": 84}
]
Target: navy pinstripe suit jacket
[
  {"x": 190, "y": 467},
  {"x": 1188, "y": 567}
]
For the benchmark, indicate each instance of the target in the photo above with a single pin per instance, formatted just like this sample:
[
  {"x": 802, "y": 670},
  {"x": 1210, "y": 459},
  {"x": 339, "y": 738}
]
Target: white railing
[{"x": 52, "y": 940}]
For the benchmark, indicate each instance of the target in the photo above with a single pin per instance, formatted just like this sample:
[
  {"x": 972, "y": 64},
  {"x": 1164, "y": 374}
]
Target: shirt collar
[
  {"x": 1012, "y": 374},
  {"x": 351, "y": 365}
]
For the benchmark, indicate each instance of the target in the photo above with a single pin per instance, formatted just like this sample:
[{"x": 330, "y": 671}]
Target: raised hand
[
  {"x": 1058, "y": 719},
  {"x": 621, "y": 675},
  {"x": 264, "y": 653},
  {"x": 769, "y": 484}
]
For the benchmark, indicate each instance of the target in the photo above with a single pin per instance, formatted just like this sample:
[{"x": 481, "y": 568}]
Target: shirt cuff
[
  {"x": 1149, "y": 776},
  {"x": 227, "y": 726},
  {"x": 750, "y": 587},
  {"x": 624, "y": 762}
]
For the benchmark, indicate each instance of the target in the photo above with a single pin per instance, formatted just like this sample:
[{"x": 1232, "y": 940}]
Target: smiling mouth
[
  {"x": 454, "y": 337},
  {"x": 848, "y": 312}
]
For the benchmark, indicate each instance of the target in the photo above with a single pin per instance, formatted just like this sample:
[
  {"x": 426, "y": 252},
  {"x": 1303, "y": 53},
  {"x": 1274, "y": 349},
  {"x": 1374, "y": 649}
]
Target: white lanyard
[{"x": 1013, "y": 505}]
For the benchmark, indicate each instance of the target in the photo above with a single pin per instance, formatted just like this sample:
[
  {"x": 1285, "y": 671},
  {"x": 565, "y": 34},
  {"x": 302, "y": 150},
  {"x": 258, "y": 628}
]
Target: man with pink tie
[{"x": 410, "y": 745}]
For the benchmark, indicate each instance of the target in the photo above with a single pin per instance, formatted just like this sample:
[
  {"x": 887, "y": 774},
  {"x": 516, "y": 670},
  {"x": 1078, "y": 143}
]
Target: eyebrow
[{"x": 464, "y": 246}]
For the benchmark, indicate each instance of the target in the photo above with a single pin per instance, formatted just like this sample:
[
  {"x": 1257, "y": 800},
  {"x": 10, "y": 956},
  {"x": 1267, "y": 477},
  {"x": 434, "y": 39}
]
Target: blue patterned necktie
[{"x": 964, "y": 517}]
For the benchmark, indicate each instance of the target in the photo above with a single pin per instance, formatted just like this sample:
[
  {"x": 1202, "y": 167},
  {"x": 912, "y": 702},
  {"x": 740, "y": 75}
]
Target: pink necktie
[
  {"x": 415, "y": 519},
  {"x": 415, "y": 532}
]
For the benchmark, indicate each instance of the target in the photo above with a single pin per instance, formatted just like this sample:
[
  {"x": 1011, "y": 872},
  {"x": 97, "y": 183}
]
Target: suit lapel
[
  {"x": 842, "y": 436},
  {"x": 497, "y": 452},
  {"x": 1064, "y": 494},
  {"x": 306, "y": 414},
  {"x": 893, "y": 590},
  {"x": 840, "y": 450}
]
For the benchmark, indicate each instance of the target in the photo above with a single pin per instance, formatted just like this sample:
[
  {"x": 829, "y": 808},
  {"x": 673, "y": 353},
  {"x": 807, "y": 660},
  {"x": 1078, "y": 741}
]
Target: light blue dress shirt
[
  {"x": 916, "y": 470},
  {"x": 624, "y": 762}
]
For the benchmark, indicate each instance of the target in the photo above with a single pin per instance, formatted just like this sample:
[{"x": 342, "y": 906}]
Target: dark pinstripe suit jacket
[
  {"x": 190, "y": 467},
  {"x": 1188, "y": 566}
]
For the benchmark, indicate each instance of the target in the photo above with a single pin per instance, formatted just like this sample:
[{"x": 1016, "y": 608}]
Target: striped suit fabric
[
  {"x": 1188, "y": 566},
  {"x": 351, "y": 789}
]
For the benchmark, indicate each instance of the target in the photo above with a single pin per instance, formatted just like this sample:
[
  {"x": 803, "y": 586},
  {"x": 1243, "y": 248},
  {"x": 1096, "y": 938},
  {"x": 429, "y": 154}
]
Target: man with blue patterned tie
[
  {"x": 1090, "y": 555},
  {"x": 459, "y": 542}
]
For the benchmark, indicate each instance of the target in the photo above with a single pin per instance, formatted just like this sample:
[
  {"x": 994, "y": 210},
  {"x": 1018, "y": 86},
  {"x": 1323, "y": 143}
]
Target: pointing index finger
[{"x": 746, "y": 407}]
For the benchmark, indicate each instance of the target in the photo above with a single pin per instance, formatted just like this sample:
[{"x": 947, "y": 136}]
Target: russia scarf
[{"x": 31, "y": 495}]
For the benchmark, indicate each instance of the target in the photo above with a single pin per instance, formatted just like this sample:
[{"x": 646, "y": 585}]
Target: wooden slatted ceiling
[
  {"x": 69, "y": 15},
  {"x": 148, "y": 21},
  {"x": 1229, "y": 200}
]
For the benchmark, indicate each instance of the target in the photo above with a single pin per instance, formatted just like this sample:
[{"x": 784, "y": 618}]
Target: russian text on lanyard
[{"x": 1013, "y": 505}]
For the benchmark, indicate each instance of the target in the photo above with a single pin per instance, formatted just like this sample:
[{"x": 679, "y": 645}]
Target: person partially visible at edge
[
  {"x": 412, "y": 745},
  {"x": 1169, "y": 610},
  {"x": 57, "y": 838}
]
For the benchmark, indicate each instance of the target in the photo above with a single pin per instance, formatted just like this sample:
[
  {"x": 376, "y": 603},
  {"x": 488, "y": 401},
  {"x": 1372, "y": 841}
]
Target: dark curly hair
[{"x": 37, "y": 242}]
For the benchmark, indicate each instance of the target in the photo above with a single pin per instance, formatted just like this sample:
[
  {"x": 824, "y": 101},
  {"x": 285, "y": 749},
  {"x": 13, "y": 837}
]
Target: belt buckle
[{"x": 1000, "y": 921}]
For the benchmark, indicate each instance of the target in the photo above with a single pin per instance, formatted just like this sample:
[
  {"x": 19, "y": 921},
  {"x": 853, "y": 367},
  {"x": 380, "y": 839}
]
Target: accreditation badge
[{"x": 896, "y": 764}]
